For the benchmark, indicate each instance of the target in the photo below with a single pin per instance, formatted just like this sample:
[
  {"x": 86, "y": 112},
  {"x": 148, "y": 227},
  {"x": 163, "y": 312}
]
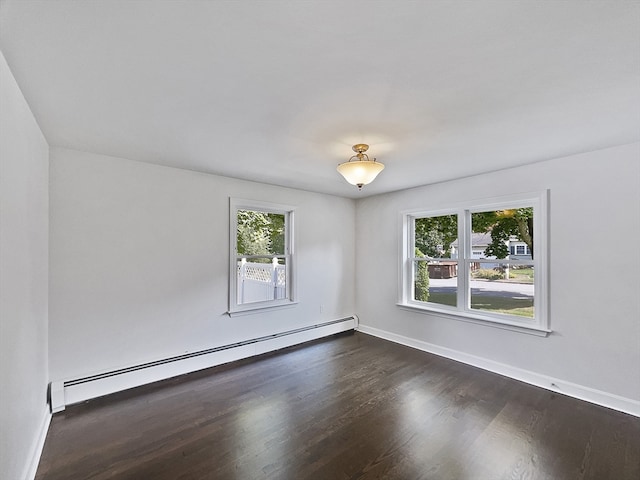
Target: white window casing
[
  {"x": 539, "y": 324},
  {"x": 280, "y": 277}
]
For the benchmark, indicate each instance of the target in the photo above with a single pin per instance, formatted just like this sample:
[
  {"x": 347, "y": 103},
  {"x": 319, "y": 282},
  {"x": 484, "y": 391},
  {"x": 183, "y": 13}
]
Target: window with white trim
[
  {"x": 261, "y": 267},
  {"x": 442, "y": 272}
]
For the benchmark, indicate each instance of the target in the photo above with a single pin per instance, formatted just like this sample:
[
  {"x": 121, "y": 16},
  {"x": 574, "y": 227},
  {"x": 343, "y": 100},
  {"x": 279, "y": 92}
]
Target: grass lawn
[
  {"x": 516, "y": 275},
  {"x": 509, "y": 306},
  {"x": 523, "y": 275}
]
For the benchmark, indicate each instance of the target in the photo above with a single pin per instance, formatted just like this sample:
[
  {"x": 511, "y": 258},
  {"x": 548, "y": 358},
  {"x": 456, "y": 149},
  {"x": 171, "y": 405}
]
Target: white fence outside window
[{"x": 261, "y": 282}]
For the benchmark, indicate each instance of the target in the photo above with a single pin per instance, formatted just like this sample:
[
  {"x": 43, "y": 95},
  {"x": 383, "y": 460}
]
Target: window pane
[
  {"x": 261, "y": 280},
  {"x": 502, "y": 288},
  {"x": 436, "y": 282},
  {"x": 435, "y": 237},
  {"x": 260, "y": 233},
  {"x": 500, "y": 233}
]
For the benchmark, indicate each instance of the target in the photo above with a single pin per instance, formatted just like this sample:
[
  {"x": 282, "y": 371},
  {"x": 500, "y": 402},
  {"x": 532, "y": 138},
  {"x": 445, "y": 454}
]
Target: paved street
[{"x": 483, "y": 287}]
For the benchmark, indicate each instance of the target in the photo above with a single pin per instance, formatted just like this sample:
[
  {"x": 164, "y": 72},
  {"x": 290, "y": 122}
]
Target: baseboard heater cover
[{"x": 80, "y": 389}]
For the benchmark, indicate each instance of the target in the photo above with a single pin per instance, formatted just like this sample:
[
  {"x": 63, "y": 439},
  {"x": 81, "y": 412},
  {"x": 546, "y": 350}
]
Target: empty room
[{"x": 319, "y": 239}]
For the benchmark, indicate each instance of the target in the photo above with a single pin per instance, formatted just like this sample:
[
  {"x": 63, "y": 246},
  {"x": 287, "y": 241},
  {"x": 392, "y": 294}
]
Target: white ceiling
[{"x": 278, "y": 91}]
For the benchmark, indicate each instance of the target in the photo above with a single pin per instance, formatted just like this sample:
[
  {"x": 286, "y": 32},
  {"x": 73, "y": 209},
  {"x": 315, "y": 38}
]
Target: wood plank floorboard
[{"x": 350, "y": 406}]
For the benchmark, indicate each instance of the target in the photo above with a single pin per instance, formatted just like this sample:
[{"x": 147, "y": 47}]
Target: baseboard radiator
[{"x": 68, "y": 392}]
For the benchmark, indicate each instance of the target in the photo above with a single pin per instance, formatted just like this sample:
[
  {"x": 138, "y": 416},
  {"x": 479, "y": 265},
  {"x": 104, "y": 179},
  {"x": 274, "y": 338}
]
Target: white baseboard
[
  {"x": 605, "y": 399},
  {"x": 122, "y": 381},
  {"x": 38, "y": 446}
]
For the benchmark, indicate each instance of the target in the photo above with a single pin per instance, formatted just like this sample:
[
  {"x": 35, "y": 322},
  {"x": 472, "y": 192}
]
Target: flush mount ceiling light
[{"x": 359, "y": 170}]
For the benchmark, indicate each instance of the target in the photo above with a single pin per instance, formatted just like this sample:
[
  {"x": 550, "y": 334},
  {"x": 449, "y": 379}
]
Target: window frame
[
  {"x": 236, "y": 204},
  {"x": 539, "y": 324},
  {"x": 519, "y": 250}
]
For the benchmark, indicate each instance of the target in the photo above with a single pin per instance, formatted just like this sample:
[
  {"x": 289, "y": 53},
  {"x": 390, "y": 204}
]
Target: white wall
[
  {"x": 24, "y": 414},
  {"x": 139, "y": 259},
  {"x": 595, "y": 260}
]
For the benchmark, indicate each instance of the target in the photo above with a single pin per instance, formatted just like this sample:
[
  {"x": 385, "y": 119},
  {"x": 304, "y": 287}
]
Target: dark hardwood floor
[{"x": 348, "y": 407}]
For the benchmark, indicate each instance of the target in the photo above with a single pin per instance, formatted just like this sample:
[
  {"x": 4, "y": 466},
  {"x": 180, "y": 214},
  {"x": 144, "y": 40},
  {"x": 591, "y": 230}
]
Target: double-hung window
[
  {"x": 483, "y": 261},
  {"x": 261, "y": 267}
]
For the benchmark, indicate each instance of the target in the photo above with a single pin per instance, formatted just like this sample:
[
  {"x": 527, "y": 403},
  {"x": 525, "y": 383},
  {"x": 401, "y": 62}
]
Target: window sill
[
  {"x": 478, "y": 319},
  {"x": 252, "y": 309}
]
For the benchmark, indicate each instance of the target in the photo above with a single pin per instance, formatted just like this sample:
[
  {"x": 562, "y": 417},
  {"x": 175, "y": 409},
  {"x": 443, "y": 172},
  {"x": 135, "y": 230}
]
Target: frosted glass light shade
[{"x": 360, "y": 172}]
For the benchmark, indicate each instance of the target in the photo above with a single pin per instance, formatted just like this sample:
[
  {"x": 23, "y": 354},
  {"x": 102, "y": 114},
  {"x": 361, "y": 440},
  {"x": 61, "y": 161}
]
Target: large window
[
  {"x": 485, "y": 262},
  {"x": 261, "y": 260}
]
